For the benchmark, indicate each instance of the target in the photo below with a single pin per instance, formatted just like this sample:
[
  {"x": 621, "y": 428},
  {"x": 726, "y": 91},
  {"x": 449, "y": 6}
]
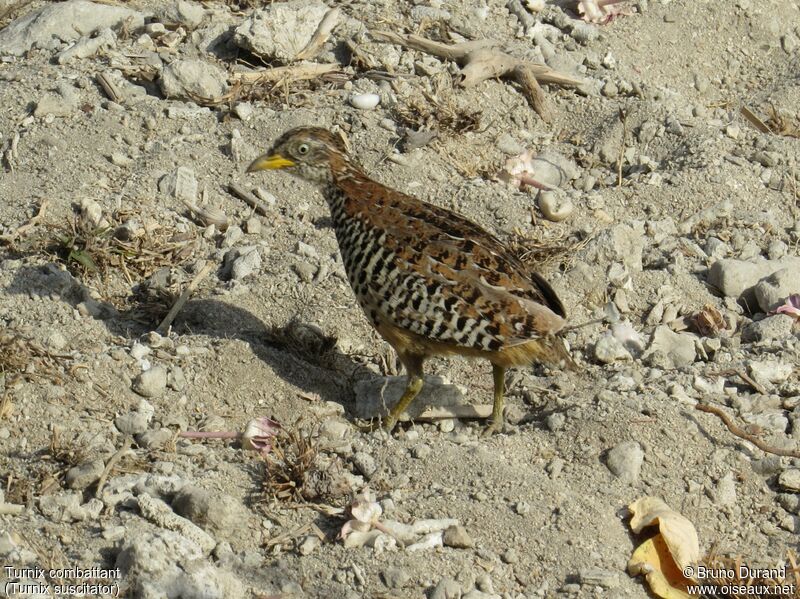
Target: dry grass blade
[
  {"x": 21, "y": 357},
  {"x": 438, "y": 111},
  {"x": 67, "y": 452},
  {"x": 781, "y": 124},
  {"x": 297, "y": 470},
  {"x": 731, "y": 574},
  {"x": 87, "y": 248},
  {"x": 545, "y": 248},
  {"x": 290, "y": 464}
]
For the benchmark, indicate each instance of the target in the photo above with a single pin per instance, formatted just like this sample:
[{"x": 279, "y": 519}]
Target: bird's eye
[{"x": 302, "y": 149}]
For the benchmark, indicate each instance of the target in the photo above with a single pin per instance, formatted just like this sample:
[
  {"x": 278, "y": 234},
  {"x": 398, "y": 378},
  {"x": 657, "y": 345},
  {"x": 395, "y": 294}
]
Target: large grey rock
[
  {"x": 736, "y": 278},
  {"x": 164, "y": 564},
  {"x": 280, "y": 30},
  {"x": 181, "y": 12},
  {"x": 375, "y": 397},
  {"x": 88, "y": 46},
  {"x": 670, "y": 349},
  {"x": 773, "y": 290},
  {"x": 151, "y": 382},
  {"x": 779, "y": 326},
  {"x": 625, "y": 461},
  {"x": 183, "y": 79},
  {"x": 214, "y": 511},
  {"x": 66, "y": 22},
  {"x": 621, "y": 243}
]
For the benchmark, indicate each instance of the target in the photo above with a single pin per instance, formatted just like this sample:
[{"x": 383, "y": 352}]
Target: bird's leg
[
  {"x": 413, "y": 388},
  {"x": 413, "y": 364},
  {"x": 499, "y": 375}
]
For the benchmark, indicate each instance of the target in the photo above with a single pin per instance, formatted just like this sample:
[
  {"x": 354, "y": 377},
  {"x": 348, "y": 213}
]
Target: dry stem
[
  {"x": 321, "y": 35},
  {"x": 249, "y": 199},
  {"x": 25, "y": 227},
  {"x": 481, "y": 60},
  {"x": 741, "y": 433},
  {"x": 184, "y": 297}
]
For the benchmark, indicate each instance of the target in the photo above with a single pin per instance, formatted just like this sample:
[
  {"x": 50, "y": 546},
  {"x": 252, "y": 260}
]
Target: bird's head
[{"x": 306, "y": 152}]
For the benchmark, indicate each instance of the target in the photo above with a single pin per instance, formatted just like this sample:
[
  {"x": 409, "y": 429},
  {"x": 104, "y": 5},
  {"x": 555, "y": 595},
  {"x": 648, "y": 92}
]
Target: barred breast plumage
[{"x": 430, "y": 281}]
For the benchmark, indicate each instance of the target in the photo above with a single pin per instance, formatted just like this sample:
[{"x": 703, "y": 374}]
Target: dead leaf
[
  {"x": 653, "y": 559},
  {"x": 678, "y": 532}
]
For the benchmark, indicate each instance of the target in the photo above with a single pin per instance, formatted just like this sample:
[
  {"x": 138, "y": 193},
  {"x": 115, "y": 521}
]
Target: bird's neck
[{"x": 345, "y": 179}]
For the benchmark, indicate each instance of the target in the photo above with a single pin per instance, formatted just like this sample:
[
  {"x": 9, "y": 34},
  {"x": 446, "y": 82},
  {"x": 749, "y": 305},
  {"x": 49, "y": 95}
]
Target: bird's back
[{"x": 423, "y": 269}]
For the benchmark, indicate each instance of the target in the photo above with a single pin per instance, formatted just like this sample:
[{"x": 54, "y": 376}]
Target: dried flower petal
[
  {"x": 602, "y": 11},
  {"x": 791, "y": 306},
  {"x": 259, "y": 433},
  {"x": 708, "y": 321},
  {"x": 364, "y": 507},
  {"x": 365, "y": 511},
  {"x": 521, "y": 171}
]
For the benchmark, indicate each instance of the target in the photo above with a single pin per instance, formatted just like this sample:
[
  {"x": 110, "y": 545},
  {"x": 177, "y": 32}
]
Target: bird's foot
[{"x": 495, "y": 427}]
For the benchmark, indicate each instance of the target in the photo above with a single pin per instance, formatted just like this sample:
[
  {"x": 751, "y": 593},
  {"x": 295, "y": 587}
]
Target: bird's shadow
[{"x": 298, "y": 353}]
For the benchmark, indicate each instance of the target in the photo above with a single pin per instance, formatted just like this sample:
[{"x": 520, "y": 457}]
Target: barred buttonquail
[{"x": 430, "y": 281}]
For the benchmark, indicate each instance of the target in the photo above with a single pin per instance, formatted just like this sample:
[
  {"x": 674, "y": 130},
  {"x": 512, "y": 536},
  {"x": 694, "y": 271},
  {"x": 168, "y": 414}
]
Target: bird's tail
[{"x": 557, "y": 353}]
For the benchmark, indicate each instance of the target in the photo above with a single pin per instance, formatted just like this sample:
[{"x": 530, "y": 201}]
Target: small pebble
[
  {"x": 510, "y": 556},
  {"x": 151, "y": 383},
  {"x": 364, "y": 463},
  {"x": 625, "y": 461},
  {"x": 365, "y": 101},
  {"x": 790, "y": 480},
  {"x": 733, "y": 131},
  {"x": 421, "y": 451},
  {"x": 446, "y": 588},
  {"x": 395, "y": 578},
  {"x": 458, "y": 537},
  {"x": 555, "y": 421},
  {"x": 308, "y": 545},
  {"x": 253, "y": 225},
  {"x": 81, "y": 476}
]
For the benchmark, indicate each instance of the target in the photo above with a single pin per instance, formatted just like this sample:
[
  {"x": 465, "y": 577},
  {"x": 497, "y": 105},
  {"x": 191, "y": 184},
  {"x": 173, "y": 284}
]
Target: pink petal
[{"x": 791, "y": 307}]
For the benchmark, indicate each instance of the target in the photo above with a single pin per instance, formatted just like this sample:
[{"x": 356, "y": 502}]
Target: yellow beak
[{"x": 269, "y": 162}]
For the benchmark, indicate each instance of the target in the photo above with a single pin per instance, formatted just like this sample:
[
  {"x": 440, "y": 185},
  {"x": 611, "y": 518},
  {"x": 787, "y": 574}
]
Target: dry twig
[
  {"x": 321, "y": 35},
  {"x": 754, "y": 120},
  {"x": 112, "y": 461},
  {"x": 25, "y": 227},
  {"x": 741, "y": 433},
  {"x": 184, "y": 297},
  {"x": 481, "y": 60},
  {"x": 742, "y": 375},
  {"x": 249, "y": 199}
]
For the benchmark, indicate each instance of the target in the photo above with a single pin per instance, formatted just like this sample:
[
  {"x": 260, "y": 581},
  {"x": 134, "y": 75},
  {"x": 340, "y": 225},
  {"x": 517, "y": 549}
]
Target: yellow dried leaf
[
  {"x": 678, "y": 532},
  {"x": 654, "y": 559}
]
